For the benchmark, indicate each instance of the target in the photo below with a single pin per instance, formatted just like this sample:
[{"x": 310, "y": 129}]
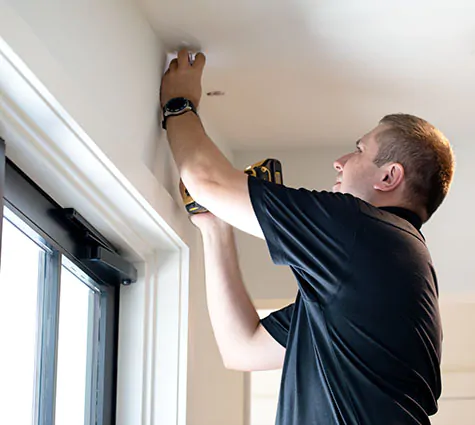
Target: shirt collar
[{"x": 406, "y": 214}]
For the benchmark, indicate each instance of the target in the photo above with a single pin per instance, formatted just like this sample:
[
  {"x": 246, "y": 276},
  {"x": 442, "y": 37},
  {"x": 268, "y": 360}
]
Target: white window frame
[{"x": 49, "y": 146}]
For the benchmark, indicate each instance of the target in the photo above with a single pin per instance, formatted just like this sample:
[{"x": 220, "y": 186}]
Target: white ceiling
[{"x": 302, "y": 73}]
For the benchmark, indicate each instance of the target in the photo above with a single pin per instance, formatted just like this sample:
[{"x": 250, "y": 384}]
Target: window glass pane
[
  {"x": 75, "y": 350},
  {"x": 19, "y": 273}
]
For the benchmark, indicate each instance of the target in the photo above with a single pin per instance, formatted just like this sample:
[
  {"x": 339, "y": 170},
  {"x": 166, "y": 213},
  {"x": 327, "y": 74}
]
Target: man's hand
[
  {"x": 183, "y": 79},
  {"x": 210, "y": 178}
]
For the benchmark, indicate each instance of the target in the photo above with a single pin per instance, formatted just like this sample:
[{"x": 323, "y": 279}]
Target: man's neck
[
  {"x": 393, "y": 202},
  {"x": 406, "y": 214}
]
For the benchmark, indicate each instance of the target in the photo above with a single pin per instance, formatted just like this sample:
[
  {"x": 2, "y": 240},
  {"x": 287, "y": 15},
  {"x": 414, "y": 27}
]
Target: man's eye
[{"x": 358, "y": 149}]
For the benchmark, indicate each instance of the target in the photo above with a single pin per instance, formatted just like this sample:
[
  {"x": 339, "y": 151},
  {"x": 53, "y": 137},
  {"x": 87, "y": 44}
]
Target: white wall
[
  {"x": 450, "y": 232},
  {"x": 103, "y": 63}
]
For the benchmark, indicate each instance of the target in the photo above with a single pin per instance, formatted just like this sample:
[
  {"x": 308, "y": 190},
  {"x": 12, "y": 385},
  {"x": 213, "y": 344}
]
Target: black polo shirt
[{"x": 363, "y": 338}]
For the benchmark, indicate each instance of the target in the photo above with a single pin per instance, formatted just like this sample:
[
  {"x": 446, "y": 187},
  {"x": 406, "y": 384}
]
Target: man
[{"x": 362, "y": 342}]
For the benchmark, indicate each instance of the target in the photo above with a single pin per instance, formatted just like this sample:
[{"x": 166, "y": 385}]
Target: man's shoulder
[{"x": 392, "y": 219}]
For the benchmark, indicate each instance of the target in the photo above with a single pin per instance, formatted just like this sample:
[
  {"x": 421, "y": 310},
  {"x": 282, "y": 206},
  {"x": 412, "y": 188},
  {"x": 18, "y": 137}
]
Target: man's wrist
[
  {"x": 215, "y": 227},
  {"x": 176, "y": 107},
  {"x": 171, "y": 117}
]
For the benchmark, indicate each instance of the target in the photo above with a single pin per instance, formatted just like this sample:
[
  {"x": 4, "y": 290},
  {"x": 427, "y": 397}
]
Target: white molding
[
  {"x": 47, "y": 143},
  {"x": 41, "y": 130},
  {"x": 153, "y": 346}
]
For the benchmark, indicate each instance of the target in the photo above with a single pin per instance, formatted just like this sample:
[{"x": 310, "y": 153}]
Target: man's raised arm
[
  {"x": 243, "y": 341},
  {"x": 209, "y": 177}
]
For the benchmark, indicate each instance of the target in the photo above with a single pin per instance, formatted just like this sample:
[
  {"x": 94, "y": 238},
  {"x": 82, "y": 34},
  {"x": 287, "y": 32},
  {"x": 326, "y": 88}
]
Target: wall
[
  {"x": 450, "y": 232},
  {"x": 215, "y": 395},
  {"x": 102, "y": 63},
  {"x": 457, "y": 403}
]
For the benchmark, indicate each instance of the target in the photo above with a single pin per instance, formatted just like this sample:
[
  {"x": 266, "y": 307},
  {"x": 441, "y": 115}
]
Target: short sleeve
[
  {"x": 313, "y": 232},
  {"x": 278, "y": 324}
]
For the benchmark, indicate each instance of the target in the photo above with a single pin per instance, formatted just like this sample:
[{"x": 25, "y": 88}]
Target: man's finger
[
  {"x": 183, "y": 60},
  {"x": 173, "y": 65},
  {"x": 200, "y": 61}
]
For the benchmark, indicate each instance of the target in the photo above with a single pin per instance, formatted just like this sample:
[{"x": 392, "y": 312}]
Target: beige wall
[
  {"x": 215, "y": 395},
  {"x": 102, "y": 63},
  {"x": 457, "y": 404}
]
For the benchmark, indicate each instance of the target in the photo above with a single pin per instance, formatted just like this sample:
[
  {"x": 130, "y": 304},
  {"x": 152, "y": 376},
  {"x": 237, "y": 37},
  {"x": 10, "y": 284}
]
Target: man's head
[{"x": 404, "y": 161}]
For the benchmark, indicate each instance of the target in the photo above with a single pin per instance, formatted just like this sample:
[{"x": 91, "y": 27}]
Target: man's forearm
[
  {"x": 198, "y": 159},
  {"x": 233, "y": 316}
]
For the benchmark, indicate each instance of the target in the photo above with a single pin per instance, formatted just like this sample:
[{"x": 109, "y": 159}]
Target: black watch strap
[
  {"x": 190, "y": 108},
  {"x": 164, "y": 122}
]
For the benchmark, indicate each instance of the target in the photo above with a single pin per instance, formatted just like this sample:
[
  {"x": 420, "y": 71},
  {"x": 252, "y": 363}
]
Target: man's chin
[{"x": 336, "y": 188}]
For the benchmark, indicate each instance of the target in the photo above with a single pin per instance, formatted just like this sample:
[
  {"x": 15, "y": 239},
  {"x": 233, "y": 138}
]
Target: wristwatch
[{"x": 177, "y": 106}]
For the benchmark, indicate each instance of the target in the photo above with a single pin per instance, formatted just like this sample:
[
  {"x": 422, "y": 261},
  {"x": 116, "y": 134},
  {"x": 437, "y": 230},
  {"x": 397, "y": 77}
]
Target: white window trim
[{"x": 46, "y": 142}]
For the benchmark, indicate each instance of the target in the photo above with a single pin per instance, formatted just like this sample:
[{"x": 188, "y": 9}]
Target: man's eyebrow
[{"x": 358, "y": 142}]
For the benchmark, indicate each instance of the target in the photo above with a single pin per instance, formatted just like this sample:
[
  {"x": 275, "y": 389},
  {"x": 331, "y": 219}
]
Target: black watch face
[{"x": 177, "y": 104}]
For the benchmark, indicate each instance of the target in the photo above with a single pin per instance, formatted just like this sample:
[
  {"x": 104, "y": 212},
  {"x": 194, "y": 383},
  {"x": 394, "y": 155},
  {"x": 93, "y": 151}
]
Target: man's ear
[{"x": 392, "y": 175}]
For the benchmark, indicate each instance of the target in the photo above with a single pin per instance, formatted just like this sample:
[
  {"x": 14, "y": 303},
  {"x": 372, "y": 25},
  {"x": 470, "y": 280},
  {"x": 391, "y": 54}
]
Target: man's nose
[{"x": 340, "y": 163}]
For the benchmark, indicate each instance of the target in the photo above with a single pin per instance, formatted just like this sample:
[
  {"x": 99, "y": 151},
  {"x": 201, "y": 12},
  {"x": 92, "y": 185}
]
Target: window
[{"x": 59, "y": 295}]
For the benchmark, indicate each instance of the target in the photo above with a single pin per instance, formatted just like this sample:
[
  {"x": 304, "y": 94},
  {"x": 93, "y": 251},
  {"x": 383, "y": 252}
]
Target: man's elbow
[
  {"x": 236, "y": 365},
  {"x": 198, "y": 184},
  {"x": 229, "y": 365},
  {"x": 241, "y": 360},
  {"x": 233, "y": 359},
  {"x": 203, "y": 190},
  {"x": 208, "y": 185}
]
